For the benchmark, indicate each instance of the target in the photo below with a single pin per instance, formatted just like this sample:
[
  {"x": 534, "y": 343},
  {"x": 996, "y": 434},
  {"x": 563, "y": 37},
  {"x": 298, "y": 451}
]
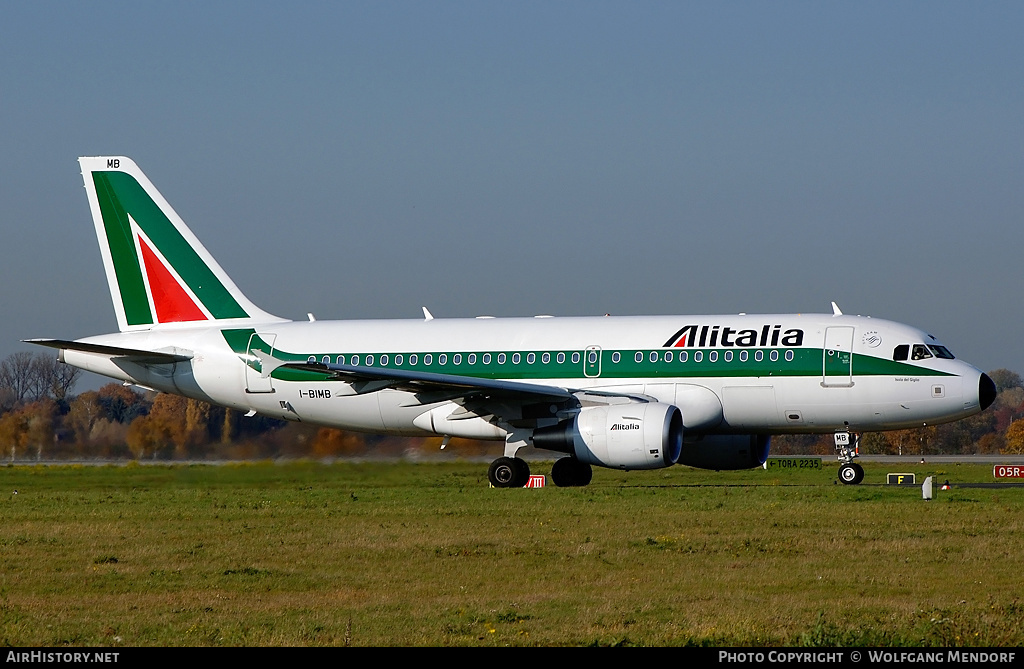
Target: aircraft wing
[
  {"x": 513, "y": 400},
  {"x": 135, "y": 355},
  {"x": 423, "y": 381}
]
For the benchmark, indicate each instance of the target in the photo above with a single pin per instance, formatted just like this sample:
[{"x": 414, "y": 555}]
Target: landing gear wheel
[
  {"x": 571, "y": 473},
  {"x": 851, "y": 473},
  {"x": 508, "y": 473},
  {"x": 522, "y": 472}
]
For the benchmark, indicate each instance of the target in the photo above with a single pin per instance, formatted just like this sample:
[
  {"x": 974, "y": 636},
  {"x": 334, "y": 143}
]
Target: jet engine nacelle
[
  {"x": 623, "y": 436},
  {"x": 726, "y": 451}
]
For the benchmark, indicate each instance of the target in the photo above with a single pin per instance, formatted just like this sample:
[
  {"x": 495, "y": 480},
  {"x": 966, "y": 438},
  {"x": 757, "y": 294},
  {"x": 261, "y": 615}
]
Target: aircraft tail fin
[{"x": 158, "y": 272}]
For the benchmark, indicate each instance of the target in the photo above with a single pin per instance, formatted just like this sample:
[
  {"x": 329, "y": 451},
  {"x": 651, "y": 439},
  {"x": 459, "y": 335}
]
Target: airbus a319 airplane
[{"x": 628, "y": 392}]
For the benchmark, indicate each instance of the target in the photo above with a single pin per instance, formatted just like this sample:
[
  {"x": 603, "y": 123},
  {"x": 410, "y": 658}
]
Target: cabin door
[
  {"x": 255, "y": 381},
  {"x": 837, "y": 357}
]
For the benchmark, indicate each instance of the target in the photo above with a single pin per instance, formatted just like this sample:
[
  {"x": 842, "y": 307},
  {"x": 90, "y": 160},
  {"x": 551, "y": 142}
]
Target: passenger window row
[{"x": 654, "y": 356}]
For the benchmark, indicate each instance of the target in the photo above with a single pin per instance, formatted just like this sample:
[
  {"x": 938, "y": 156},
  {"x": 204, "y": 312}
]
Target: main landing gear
[
  {"x": 847, "y": 448},
  {"x": 509, "y": 472},
  {"x": 571, "y": 473}
]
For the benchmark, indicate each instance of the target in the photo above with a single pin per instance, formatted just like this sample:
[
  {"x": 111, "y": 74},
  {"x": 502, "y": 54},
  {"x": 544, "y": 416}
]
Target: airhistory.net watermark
[{"x": 60, "y": 657}]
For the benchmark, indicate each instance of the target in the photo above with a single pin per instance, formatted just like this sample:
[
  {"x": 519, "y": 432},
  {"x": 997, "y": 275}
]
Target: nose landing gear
[
  {"x": 848, "y": 448},
  {"x": 851, "y": 473}
]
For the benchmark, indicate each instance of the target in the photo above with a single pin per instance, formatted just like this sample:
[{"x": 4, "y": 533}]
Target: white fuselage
[{"x": 756, "y": 374}]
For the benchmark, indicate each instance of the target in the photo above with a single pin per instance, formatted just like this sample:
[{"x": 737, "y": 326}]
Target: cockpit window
[
  {"x": 941, "y": 352},
  {"x": 920, "y": 352}
]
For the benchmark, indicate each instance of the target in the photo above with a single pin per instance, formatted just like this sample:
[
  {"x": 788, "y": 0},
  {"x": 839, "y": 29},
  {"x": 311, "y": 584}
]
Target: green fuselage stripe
[{"x": 698, "y": 363}]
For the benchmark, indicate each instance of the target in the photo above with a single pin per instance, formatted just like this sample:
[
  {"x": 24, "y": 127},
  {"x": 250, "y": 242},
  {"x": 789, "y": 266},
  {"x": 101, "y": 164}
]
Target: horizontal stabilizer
[{"x": 135, "y": 355}]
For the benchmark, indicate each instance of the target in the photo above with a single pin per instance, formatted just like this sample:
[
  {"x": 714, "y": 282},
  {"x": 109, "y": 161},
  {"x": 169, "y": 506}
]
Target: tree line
[{"x": 40, "y": 419}]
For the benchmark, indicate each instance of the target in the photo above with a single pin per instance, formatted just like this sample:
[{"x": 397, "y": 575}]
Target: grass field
[{"x": 427, "y": 554}]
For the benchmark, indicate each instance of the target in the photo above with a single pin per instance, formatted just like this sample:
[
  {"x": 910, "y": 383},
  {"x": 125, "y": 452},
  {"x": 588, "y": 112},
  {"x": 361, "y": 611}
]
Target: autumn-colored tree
[
  {"x": 83, "y": 414},
  {"x": 197, "y": 428},
  {"x": 1014, "y": 438},
  {"x": 990, "y": 443},
  {"x": 164, "y": 428},
  {"x": 41, "y": 416},
  {"x": 120, "y": 403},
  {"x": 915, "y": 441},
  {"x": 13, "y": 431},
  {"x": 28, "y": 428},
  {"x": 92, "y": 432}
]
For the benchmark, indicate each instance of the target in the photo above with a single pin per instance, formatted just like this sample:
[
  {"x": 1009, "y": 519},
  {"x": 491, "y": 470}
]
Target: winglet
[{"x": 427, "y": 316}]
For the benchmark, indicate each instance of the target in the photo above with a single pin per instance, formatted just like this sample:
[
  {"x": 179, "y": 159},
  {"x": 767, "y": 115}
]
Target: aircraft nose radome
[{"x": 986, "y": 391}]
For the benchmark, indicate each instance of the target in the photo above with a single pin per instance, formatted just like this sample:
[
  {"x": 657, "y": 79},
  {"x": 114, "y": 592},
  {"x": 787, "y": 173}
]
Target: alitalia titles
[
  {"x": 625, "y": 426},
  {"x": 705, "y": 336}
]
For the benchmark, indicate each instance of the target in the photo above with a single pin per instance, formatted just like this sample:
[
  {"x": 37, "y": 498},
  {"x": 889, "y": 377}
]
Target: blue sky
[{"x": 361, "y": 159}]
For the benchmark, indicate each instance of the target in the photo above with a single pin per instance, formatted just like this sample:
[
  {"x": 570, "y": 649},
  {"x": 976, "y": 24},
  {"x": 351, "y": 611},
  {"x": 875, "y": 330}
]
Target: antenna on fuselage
[{"x": 835, "y": 310}]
